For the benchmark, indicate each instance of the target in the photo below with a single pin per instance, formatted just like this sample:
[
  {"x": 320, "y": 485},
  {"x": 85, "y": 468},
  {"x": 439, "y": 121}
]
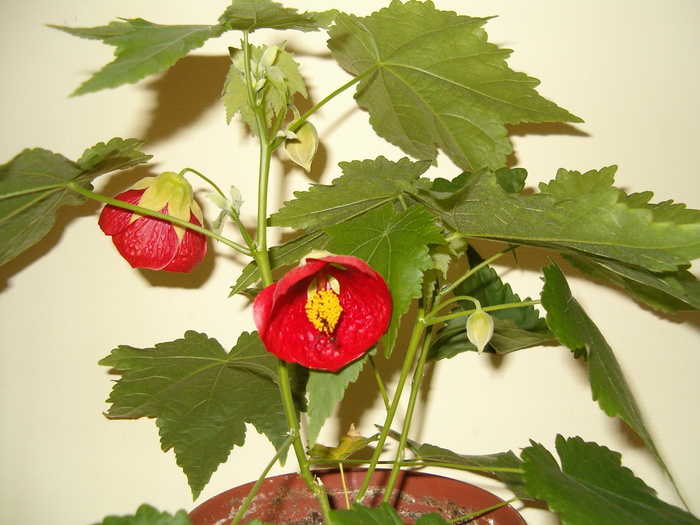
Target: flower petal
[
  {"x": 280, "y": 313},
  {"x": 190, "y": 252},
  {"x": 148, "y": 243},
  {"x": 114, "y": 220}
]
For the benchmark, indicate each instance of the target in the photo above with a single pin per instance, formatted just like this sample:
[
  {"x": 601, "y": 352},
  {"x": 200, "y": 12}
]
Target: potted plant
[{"x": 387, "y": 270}]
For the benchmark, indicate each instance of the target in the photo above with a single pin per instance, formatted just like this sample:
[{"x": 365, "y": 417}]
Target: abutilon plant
[
  {"x": 151, "y": 242},
  {"x": 325, "y": 313}
]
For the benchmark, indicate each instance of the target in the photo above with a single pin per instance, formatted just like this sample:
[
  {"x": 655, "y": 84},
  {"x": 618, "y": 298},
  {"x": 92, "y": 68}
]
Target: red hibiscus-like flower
[
  {"x": 147, "y": 242},
  {"x": 325, "y": 313}
]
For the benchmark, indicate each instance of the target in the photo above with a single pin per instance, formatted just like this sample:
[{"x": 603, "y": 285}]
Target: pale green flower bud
[
  {"x": 479, "y": 329},
  {"x": 302, "y": 149}
]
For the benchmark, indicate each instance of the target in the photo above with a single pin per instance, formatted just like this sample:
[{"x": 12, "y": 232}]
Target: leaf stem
[{"x": 492, "y": 308}]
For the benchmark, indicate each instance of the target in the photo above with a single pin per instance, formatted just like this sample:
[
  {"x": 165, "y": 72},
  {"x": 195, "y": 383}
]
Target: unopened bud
[
  {"x": 479, "y": 329},
  {"x": 302, "y": 149}
]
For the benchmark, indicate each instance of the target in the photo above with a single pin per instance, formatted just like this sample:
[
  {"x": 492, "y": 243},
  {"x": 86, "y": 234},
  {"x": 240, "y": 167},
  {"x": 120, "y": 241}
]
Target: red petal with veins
[
  {"x": 114, "y": 220},
  {"x": 191, "y": 250},
  {"x": 280, "y": 314}
]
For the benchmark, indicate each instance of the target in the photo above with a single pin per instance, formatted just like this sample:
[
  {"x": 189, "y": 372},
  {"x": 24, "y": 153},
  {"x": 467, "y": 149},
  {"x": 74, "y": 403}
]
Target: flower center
[{"x": 323, "y": 309}]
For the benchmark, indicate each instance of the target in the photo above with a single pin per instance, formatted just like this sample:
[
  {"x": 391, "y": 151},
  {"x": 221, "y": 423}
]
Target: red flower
[
  {"x": 325, "y": 313},
  {"x": 147, "y": 242}
]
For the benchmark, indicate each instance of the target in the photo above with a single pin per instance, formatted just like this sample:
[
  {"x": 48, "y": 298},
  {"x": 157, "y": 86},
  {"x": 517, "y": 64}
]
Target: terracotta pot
[{"x": 286, "y": 500}]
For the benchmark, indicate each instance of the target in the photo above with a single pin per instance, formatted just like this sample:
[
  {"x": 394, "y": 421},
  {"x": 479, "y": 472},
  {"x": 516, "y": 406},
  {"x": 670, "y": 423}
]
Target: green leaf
[
  {"x": 575, "y": 330},
  {"x": 385, "y": 514},
  {"x": 142, "y": 49},
  {"x": 395, "y": 244},
  {"x": 575, "y": 213},
  {"x": 36, "y": 183},
  {"x": 364, "y": 185},
  {"x": 434, "y": 79},
  {"x": 487, "y": 464},
  {"x": 515, "y": 328},
  {"x": 665, "y": 291},
  {"x": 147, "y": 515},
  {"x": 282, "y": 82},
  {"x": 249, "y": 15},
  {"x": 592, "y": 487},
  {"x": 325, "y": 391},
  {"x": 201, "y": 396}
]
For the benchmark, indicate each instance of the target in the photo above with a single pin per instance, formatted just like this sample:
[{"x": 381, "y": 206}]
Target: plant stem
[
  {"x": 391, "y": 410},
  {"x": 246, "y": 503},
  {"x": 473, "y": 270},
  {"x": 262, "y": 258},
  {"x": 157, "y": 215},
  {"x": 413, "y": 397},
  {"x": 442, "y": 318}
]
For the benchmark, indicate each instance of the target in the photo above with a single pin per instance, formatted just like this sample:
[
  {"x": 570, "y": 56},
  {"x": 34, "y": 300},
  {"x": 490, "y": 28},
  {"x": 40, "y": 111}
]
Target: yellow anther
[{"x": 323, "y": 310}]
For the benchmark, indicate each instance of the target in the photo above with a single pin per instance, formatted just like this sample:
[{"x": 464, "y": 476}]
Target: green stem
[
  {"x": 410, "y": 409},
  {"x": 262, "y": 258},
  {"x": 473, "y": 270},
  {"x": 246, "y": 503},
  {"x": 504, "y": 306},
  {"x": 293, "y": 126},
  {"x": 157, "y": 215},
  {"x": 380, "y": 383},
  {"x": 391, "y": 411},
  {"x": 483, "y": 512},
  {"x": 205, "y": 179}
]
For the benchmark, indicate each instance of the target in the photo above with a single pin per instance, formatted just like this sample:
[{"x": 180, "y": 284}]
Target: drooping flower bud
[
  {"x": 479, "y": 329},
  {"x": 157, "y": 244},
  {"x": 324, "y": 313},
  {"x": 302, "y": 149}
]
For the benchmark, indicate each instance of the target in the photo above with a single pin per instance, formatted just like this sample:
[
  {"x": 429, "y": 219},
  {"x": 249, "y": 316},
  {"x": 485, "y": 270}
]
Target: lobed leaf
[
  {"x": 592, "y": 486},
  {"x": 147, "y": 515},
  {"x": 575, "y": 330},
  {"x": 434, "y": 79},
  {"x": 37, "y": 182},
  {"x": 395, "y": 244},
  {"x": 142, "y": 49},
  {"x": 364, "y": 185},
  {"x": 575, "y": 213},
  {"x": 249, "y": 15},
  {"x": 201, "y": 397}
]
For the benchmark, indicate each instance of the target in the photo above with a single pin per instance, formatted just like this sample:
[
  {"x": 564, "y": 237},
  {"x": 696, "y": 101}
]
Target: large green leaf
[
  {"x": 37, "y": 182},
  {"x": 575, "y": 330},
  {"x": 575, "y": 213},
  {"x": 147, "y": 515},
  {"x": 515, "y": 328},
  {"x": 363, "y": 186},
  {"x": 434, "y": 79},
  {"x": 592, "y": 487},
  {"x": 395, "y": 244},
  {"x": 249, "y": 15},
  {"x": 201, "y": 396},
  {"x": 142, "y": 49}
]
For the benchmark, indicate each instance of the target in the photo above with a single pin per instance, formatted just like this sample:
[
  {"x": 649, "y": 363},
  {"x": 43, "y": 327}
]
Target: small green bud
[
  {"x": 302, "y": 149},
  {"x": 479, "y": 329}
]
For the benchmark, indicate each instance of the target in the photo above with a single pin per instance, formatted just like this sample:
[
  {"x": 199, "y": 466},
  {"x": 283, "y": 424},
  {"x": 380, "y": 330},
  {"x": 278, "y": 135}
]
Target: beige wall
[{"x": 628, "y": 68}]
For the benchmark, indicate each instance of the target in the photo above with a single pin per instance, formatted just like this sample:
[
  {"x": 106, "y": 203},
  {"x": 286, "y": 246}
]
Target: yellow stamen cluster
[{"x": 323, "y": 310}]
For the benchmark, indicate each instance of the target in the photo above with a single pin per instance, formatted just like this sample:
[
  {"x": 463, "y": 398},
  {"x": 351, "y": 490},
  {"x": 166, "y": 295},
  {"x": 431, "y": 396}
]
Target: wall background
[{"x": 628, "y": 68}]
